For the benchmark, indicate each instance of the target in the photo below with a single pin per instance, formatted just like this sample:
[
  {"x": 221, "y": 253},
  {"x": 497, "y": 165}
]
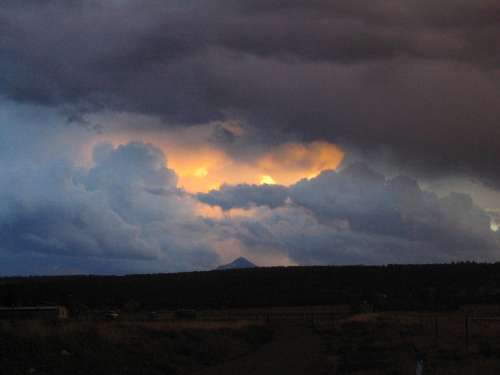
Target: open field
[
  {"x": 389, "y": 343},
  {"x": 36, "y": 347},
  {"x": 305, "y": 340}
]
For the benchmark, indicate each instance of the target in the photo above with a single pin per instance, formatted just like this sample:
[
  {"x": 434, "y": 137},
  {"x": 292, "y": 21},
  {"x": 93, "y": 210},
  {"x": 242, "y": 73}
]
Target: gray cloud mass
[
  {"x": 245, "y": 196},
  {"x": 124, "y": 214},
  {"x": 359, "y": 216},
  {"x": 415, "y": 83}
]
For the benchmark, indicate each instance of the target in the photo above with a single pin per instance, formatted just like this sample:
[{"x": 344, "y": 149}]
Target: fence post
[
  {"x": 466, "y": 331},
  {"x": 436, "y": 329}
]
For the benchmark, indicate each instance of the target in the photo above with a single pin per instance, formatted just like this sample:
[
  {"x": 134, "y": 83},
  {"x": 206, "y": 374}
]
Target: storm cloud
[
  {"x": 255, "y": 91},
  {"x": 359, "y": 216},
  {"x": 123, "y": 214},
  {"x": 416, "y": 77},
  {"x": 245, "y": 196}
]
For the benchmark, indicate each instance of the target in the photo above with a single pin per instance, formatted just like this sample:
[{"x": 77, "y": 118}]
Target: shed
[{"x": 34, "y": 312}]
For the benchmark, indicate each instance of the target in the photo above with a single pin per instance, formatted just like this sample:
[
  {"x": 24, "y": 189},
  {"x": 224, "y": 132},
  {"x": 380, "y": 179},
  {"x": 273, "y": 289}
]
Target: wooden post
[
  {"x": 436, "y": 331},
  {"x": 466, "y": 331}
]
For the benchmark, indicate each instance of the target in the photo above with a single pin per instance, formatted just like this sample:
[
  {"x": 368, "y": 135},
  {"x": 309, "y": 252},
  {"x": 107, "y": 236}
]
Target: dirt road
[{"x": 294, "y": 350}]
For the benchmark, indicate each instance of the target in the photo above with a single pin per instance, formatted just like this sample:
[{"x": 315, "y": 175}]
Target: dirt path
[{"x": 294, "y": 350}]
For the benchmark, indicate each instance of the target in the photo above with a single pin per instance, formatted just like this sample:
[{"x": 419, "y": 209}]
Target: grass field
[
  {"x": 307, "y": 340},
  {"x": 35, "y": 347},
  {"x": 390, "y": 343}
]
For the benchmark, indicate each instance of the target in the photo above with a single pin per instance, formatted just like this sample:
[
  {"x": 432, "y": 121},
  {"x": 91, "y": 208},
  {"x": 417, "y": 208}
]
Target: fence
[
  {"x": 469, "y": 327},
  {"x": 289, "y": 315}
]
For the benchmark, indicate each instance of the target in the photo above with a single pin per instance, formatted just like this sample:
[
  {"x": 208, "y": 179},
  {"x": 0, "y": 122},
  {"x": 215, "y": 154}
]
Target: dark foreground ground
[
  {"x": 35, "y": 347},
  {"x": 391, "y": 343},
  {"x": 371, "y": 343}
]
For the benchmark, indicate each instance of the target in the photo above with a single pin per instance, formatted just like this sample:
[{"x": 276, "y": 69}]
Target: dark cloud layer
[
  {"x": 418, "y": 77},
  {"x": 245, "y": 196}
]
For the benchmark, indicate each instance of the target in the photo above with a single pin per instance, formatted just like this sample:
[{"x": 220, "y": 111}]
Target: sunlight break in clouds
[
  {"x": 202, "y": 166},
  {"x": 286, "y": 164},
  {"x": 267, "y": 180}
]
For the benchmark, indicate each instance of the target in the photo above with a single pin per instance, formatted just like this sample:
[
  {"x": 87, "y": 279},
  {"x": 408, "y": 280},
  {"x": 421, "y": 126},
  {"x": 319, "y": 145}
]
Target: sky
[{"x": 164, "y": 136}]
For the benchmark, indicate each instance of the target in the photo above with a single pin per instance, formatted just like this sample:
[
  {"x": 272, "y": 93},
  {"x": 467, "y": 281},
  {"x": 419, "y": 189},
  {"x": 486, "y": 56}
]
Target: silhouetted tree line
[{"x": 416, "y": 287}]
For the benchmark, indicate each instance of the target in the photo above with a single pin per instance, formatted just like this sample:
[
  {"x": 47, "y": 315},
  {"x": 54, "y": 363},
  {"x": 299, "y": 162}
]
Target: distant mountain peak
[{"x": 238, "y": 263}]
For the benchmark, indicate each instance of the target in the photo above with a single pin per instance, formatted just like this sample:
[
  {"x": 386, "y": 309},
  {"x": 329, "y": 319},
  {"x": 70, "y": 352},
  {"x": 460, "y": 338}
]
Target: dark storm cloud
[
  {"x": 245, "y": 196},
  {"x": 109, "y": 218},
  {"x": 352, "y": 31},
  {"x": 396, "y": 207},
  {"x": 359, "y": 216},
  {"x": 418, "y": 77}
]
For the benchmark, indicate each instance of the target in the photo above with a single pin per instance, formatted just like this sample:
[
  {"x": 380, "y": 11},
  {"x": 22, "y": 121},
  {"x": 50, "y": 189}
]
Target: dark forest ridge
[{"x": 433, "y": 286}]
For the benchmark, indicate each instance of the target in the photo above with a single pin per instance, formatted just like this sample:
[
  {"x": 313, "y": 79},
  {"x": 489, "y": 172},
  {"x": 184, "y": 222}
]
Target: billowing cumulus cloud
[
  {"x": 359, "y": 216},
  {"x": 417, "y": 77},
  {"x": 124, "y": 214},
  {"x": 124, "y": 211}
]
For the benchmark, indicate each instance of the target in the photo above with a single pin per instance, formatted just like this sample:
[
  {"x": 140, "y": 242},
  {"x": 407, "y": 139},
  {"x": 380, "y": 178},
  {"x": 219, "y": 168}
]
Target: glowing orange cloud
[
  {"x": 209, "y": 168},
  {"x": 291, "y": 162},
  {"x": 202, "y": 166}
]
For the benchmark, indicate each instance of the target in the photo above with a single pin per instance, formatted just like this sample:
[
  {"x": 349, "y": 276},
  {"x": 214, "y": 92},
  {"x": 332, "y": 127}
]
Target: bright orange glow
[
  {"x": 267, "y": 180},
  {"x": 201, "y": 172},
  {"x": 202, "y": 166},
  {"x": 292, "y": 162},
  {"x": 198, "y": 170},
  {"x": 208, "y": 168}
]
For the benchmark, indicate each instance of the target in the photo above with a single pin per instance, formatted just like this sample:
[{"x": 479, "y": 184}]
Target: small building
[{"x": 33, "y": 313}]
